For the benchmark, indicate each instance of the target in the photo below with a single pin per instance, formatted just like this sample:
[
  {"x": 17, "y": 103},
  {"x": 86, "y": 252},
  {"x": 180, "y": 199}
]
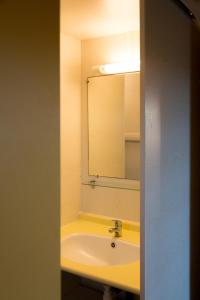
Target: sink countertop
[{"x": 125, "y": 276}]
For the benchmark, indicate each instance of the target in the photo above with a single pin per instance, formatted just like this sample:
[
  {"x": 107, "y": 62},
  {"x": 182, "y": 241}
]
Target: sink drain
[{"x": 113, "y": 245}]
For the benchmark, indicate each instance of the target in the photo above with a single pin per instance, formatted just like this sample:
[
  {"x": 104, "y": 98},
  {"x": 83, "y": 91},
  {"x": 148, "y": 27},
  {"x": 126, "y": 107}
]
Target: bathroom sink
[{"x": 96, "y": 250}]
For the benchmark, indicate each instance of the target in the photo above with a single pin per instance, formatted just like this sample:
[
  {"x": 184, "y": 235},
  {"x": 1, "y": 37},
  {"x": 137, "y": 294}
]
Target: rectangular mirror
[{"x": 114, "y": 126}]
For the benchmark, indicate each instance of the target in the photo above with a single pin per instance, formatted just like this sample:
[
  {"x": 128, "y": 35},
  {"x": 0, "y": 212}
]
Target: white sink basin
[{"x": 96, "y": 250}]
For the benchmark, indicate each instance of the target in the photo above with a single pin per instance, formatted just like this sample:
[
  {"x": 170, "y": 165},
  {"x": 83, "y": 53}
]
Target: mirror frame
[{"x": 110, "y": 182}]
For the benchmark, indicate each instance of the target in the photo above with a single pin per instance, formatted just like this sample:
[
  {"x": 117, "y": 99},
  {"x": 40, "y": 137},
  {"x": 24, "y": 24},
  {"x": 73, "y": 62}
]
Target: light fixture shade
[{"x": 120, "y": 67}]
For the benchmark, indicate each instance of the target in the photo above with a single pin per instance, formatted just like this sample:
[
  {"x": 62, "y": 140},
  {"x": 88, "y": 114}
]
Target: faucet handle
[
  {"x": 118, "y": 223},
  {"x": 117, "y": 229}
]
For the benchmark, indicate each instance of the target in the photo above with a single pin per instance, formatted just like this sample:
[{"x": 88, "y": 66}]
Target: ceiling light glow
[{"x": 120, "y": 67}]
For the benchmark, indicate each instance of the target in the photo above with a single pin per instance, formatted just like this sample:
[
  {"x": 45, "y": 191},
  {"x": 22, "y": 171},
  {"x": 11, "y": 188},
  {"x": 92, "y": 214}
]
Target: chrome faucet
[{"x": 117, "y": 229}]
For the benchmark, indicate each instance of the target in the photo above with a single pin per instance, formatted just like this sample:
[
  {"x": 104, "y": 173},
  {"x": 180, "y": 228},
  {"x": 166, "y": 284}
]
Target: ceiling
[{"x": 86, "y": 19}]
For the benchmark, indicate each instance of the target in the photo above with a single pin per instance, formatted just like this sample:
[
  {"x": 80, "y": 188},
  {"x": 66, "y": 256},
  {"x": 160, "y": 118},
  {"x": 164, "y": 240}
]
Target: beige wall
[
  {"x": 109, "y": 49},
  {"x": 110, "y": 202},
  {"x": 29, "y": 147},
  {"x": 70, "y": 127}
]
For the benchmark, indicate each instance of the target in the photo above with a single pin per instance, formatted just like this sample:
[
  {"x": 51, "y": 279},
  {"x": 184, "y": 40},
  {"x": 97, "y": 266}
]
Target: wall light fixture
[{"x": 120, "y": 67}]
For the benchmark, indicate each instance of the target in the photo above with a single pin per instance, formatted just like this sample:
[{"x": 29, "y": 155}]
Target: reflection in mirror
[{"x": 114, "y": 125}]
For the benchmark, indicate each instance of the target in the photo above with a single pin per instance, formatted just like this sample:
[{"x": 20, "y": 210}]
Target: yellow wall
[
  {"x": 29, "y": 146},
  {"x": 111, "y": 202},
  {"x": 70, "y": 127}
]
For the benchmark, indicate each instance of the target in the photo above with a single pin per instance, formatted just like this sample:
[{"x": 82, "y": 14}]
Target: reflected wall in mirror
[{"x": 114, "y": 126}]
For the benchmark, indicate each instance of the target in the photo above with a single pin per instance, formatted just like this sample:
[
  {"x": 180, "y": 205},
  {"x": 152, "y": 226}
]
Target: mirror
[{"x": 114, "y": 126}]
